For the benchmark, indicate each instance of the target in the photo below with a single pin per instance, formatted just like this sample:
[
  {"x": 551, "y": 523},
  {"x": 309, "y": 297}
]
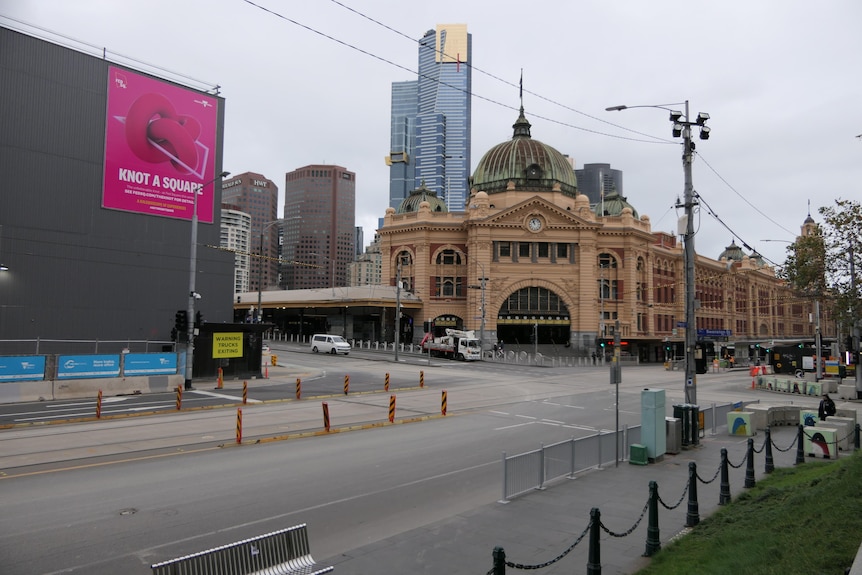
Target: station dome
[
  {"x": 527, "y": 163},
  {"x": 421, "y": 194}
]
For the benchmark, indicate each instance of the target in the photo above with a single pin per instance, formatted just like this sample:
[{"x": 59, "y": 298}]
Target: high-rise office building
[
  {"x": 258, "y": 197},
  {"x": 236, "y": 238},
  {"x": 594, "y": 179},
  {"x": 431, "y": 120},
  {"x": 319, "y": 226}
]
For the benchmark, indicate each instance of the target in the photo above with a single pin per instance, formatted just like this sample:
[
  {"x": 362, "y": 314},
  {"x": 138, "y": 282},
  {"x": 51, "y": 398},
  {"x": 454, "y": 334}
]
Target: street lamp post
[
  {"x": 682, "y": 127},
  {"x": 263, "y": 229},
  {"x": 481, "y": 286},
  {"x": 193, "y": 295}
]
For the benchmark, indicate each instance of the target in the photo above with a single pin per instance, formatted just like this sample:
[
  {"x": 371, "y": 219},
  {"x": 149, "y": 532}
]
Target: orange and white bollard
[
  {"x": 220, "y": 379},
  {"x": 239, "y": 425},
  {"x": 391, "y": 409},
  {"x": 99, "y": 405},
  {"x": 266, "y": 372}
]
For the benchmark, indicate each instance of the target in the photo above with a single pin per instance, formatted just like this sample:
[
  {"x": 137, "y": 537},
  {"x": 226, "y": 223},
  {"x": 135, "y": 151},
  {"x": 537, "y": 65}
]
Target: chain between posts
[
  {"x": 714, "y": 477},
  {"x": 741, "y": 463},
  {"x": 631, "y": 529},
  {"x": 552, "y": 561},
  {"x": 678, "y": 503}
]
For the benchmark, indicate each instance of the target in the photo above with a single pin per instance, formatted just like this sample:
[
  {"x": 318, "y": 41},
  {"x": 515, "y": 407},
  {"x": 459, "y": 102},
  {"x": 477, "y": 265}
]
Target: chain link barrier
[
  {"x": 678, "y": 503},
  {"x": 792, "y": 443},
  {"x": 552, "y": 561},
  {"x": 714, "y": 477},
  {"x": 631, "y": 529},
  {"x": 741, "y": 463}
]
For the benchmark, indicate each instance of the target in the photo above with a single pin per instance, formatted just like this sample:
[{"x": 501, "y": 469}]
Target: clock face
[{"x": 535, "y": 224}]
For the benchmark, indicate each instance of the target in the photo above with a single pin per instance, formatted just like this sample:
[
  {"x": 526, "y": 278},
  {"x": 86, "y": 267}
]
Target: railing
[{"x": 41, "y": 346}]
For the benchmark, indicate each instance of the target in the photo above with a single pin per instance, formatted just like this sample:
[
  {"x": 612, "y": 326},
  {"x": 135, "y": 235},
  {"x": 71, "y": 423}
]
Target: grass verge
[{"x": 804, "y": 519}]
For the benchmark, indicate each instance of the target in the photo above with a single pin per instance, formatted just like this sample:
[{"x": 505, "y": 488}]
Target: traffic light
[
  {"x": 199, "y": 319},
  {"x": 174, "y": 333},
  {"x": 848, "y": 343},
  {"x": 181, "y": 321}
]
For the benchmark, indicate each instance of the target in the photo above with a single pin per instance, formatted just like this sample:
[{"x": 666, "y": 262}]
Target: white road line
[
  {"x": 222, "y": 396},
  {"x": 553, "y": 421},
  {"x": 515, "y": 425},
  {"x": 500, "y": 412},
  {"x": 525, "y": 416}
]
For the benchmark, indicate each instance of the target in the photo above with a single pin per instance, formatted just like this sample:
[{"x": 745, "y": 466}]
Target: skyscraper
[
  {"x": 319, "y": 226},
  {"x": 258, "y": 197},
  {"x": 593, "y": 179},
  {"x": 431, "y": 120}
]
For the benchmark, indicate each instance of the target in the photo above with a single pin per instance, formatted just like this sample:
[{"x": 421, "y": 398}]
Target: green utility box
[{"x": 638, "y": 454}]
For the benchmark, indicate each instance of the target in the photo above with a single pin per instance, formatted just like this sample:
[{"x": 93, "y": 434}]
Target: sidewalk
[{"x": 540, "y": 526}]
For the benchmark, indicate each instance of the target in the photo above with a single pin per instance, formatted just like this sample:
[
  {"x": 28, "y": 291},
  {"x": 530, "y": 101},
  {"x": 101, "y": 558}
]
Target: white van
[{"x": 322, "y": 342}]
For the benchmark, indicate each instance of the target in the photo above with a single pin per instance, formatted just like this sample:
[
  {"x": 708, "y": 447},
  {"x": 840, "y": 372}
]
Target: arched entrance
[
  {"x": 533, "y": 315},
  {"x": 442, "y": 322}
]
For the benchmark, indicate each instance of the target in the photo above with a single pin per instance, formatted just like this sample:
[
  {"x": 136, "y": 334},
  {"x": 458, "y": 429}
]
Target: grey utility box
[{"x": 673, "y": 426}]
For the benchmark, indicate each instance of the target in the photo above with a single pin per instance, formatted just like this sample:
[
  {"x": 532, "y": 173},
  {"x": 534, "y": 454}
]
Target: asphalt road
[{"x": 116, "y": 496}]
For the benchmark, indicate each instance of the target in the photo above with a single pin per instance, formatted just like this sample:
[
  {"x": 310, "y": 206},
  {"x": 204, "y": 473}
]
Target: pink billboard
[{"x": 159, "y": 147}]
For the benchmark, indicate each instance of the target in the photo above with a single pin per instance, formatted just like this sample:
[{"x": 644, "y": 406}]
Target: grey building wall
[{"x": 76, "y": 270}]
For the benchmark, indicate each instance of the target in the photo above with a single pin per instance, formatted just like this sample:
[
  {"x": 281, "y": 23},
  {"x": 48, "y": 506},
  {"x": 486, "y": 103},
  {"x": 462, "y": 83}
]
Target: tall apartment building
[
  {"x": 367, "y": 269},
  {"x": 257, "y": 196},
  {"x": 319, "y": 226},
  {"x": 593, "y": 179},
  {"x": 236, "y": 238},
  {"x": 431, "y": 120}
]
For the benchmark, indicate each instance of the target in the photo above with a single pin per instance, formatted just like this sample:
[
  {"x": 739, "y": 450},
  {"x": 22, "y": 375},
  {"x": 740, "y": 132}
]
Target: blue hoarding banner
[
  {"x": 150, "y": 364},
  {"x": 82, "y": 366},
  {"x": 22, "y": 368}
]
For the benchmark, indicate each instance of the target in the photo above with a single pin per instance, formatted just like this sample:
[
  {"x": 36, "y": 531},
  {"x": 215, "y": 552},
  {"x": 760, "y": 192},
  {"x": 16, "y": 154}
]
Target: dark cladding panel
[{"x": 77, "y": 270}]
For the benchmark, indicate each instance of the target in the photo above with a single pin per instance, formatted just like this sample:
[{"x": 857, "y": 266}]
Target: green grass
[{"x": 805, "y": 519}]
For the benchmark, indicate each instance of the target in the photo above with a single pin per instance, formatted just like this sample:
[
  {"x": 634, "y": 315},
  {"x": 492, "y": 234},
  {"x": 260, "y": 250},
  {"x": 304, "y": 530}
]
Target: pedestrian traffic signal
[
  {"x": 181, "y": 321},
  {"x": 199, "y": 319}
]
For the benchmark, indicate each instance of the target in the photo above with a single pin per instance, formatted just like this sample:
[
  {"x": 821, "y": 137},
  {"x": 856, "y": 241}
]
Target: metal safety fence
[{"x": 807, "y": 439}]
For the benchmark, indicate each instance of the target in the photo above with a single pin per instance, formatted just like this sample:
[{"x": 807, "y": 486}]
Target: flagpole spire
[{"x": 521, "y": 89}]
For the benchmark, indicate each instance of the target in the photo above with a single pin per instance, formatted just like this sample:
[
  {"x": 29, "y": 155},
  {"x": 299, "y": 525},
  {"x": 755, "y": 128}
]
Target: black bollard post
[
  {"x": 770, "y": 464},
  {"x": 856, "y": 437},
  {"x": 800, "y": 449},
  {"x": 724, "y": 492},
  {"x": 749, "y": 465},
  {"x": 594, "y": 561},
  {"x": 499, "y": 561},
  {"x": 653, "y": 543},
  {"x": 692, "y": 517}
]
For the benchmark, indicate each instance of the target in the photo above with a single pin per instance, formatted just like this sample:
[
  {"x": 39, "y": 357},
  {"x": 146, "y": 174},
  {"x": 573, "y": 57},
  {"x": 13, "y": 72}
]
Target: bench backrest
[{"x": 284, "y": 548}]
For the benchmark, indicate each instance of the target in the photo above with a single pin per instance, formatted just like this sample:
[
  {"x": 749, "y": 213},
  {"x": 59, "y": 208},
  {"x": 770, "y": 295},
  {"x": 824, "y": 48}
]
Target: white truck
[{"x": 456, "y": 344}]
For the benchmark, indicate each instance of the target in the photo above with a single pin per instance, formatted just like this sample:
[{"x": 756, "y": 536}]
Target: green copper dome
[
  {"x": 614, "y": 205},
  {"x": 421, "y": 194},
  {"x": 732, "y": 252},
  {"x": 528, "y": 163}
]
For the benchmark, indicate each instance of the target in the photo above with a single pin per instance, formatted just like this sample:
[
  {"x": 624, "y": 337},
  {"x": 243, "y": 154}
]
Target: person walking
[{"x": 827, "y": 407}]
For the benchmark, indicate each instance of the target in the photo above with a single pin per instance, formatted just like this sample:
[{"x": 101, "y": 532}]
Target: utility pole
[
  {"x": 682, "y": 127},
  {"x": 690, "y": 320},
  {"x": 397, "y": 306}
]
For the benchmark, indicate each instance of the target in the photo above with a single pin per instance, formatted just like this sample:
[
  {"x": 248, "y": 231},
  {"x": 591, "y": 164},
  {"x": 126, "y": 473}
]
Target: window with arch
[
  {"x": 606, "y": 260},
  {"x": 451, "y": 274}
]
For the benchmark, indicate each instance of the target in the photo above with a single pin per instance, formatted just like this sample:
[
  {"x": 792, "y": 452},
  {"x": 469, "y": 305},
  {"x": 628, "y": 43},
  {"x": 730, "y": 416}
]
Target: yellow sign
[{"x": 227, "y": 344}]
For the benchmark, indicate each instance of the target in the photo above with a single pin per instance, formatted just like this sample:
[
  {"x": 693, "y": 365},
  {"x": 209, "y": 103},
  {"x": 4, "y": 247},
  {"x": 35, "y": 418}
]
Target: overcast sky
[{"x": 309, "y": 82}]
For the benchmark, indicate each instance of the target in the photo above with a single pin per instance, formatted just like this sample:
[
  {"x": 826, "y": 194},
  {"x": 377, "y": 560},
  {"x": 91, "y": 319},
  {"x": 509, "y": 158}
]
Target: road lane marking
[{"x": 223, "y": 396}]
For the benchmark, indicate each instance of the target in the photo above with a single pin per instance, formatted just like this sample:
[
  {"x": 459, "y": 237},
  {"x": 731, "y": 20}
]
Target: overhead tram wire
[
  {"x": 652, "y": 140},
  {"x": 660, "y": 140},
  {"x": 473, "y": 94}
]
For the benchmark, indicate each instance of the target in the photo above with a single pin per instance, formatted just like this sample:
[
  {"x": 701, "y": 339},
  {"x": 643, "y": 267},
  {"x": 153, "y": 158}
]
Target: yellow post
[
  {"x": 386, "y": 382},
  {"x": 298, "y": 388},
  {"x": 244, "y": 392},
  {"x": 391, "y": 409},
  {"x": 346, "y": 384},
  {"x": 421, "y": 379}
]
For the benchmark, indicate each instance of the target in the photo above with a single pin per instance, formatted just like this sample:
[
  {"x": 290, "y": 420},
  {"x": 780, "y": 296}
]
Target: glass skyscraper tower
[{"x": 431, "y": 120}]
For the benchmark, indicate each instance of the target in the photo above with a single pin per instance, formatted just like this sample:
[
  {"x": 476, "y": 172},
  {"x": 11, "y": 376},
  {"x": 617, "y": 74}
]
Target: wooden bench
[{"x": 283, "y": 552}]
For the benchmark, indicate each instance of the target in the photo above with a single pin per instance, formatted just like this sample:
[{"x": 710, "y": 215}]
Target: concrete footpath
[{"x": 542, "y": 526}]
